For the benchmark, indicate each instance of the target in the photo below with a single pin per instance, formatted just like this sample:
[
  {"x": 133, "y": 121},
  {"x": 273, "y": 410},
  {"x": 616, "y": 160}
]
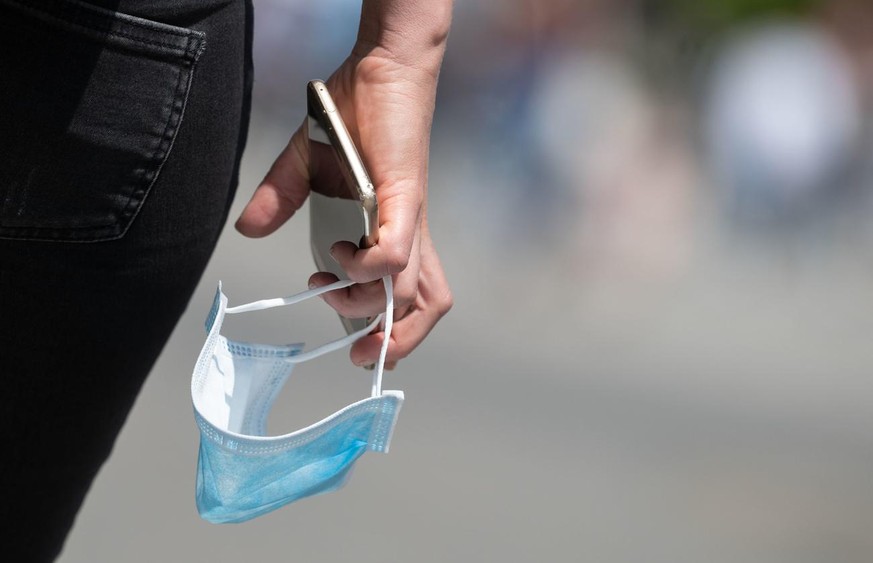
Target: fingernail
[
  {"x": 312, "y": 285},
  {"x": 363, "y": 363},
  {"x": 333, "y": 253}
]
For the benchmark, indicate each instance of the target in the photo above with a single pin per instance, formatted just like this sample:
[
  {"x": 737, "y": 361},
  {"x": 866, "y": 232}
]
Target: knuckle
[
  {"x": 404, "y": 296},
  {"x": 399, "y": 352},
  {"x": 340, "y": 305},
  {"x": 396, "y": 258},
  {"x": 445, "y": 303}
]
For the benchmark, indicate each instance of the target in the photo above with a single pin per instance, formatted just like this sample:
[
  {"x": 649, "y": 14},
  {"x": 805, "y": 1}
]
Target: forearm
[{"x": 411, "y": 32}]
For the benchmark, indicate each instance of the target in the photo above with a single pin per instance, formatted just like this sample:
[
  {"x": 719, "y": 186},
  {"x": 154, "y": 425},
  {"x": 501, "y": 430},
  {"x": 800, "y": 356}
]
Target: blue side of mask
[
  {"x": 241, "y": 473},
  {"x": 240, "y": 478}
]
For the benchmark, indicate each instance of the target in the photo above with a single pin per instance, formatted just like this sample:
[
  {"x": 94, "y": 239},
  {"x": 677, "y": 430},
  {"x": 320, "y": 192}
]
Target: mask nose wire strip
[{"x": 389, "y": 322}]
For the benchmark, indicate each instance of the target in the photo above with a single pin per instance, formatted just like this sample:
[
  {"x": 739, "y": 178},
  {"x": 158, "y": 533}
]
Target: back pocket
[{"x": 90, "y": 103}]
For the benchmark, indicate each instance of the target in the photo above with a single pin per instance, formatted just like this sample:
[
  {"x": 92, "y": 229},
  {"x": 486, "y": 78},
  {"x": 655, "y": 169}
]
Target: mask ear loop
[
  {"x": 291, "y": 300},
  {"x": 387, "y": 316},
  {"x": 389, "y": 321}
]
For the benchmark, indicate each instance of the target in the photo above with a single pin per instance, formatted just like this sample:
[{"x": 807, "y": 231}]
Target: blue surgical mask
[{"x": 243, "y": 473}]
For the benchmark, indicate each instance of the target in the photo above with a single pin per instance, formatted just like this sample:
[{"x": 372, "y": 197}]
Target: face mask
[{"x": 243, "y": 473}]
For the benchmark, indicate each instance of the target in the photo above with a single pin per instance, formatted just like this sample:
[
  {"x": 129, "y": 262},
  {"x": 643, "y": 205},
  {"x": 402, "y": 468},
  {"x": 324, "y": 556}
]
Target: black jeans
[{"x": 122, "y": 124}]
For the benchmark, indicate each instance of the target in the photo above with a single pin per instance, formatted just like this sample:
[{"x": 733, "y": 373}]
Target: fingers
[
  {"x": 389, "y": 116},
  {"x": 281, "y": 193},
  {"x": 406, "y": 335},
  {"x": 434, "y": 300},
  {"x": 400, "y": 215},
  {"x": 368, "y": 298},
  {"x": 355, "y": 302},
  {"x": 414, "y": 318}
]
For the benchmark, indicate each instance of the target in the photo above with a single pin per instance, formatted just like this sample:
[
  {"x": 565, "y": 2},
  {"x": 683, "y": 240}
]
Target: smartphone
[{"x": 342, "y": 202}]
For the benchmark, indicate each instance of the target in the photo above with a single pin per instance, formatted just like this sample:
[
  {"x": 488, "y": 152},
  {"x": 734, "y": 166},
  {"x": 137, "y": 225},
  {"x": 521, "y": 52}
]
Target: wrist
[{"x": 410, "y": 32}]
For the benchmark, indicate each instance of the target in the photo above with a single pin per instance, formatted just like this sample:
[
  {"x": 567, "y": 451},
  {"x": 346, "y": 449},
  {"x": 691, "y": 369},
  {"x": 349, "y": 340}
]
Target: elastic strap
[
  {"x": 388, "y": 318},
  {"x": 335, "y": 345},
  {"x": 389, "y": 322},
  {"x": 282, "y": 301}
]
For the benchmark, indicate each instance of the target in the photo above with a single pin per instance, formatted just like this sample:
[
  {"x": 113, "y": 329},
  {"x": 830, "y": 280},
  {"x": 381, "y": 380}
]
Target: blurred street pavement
[{"x": 722, "y": 416}]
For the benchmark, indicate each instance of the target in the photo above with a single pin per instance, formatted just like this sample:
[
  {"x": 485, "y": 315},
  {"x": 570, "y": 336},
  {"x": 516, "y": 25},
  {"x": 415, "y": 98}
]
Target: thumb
[{"x": 281, "y": 193}]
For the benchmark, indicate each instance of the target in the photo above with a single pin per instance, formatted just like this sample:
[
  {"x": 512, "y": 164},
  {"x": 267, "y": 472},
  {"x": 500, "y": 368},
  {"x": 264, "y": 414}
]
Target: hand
[
  {"x": 412, "y": 322},
  {"x": 387, "y": 105}
]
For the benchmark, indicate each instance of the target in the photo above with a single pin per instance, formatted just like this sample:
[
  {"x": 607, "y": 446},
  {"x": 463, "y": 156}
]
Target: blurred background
[{"x": 656, "y": 219}]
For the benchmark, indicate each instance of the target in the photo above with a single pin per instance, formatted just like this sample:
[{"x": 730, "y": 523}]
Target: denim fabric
[
  {"x": 122, "y": 123},
  {"x": 99, "y": 120}
]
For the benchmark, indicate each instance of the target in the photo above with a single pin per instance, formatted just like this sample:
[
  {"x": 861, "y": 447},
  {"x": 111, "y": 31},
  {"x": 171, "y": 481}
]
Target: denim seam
[
  {"x": 87, "y": 22},
  {"x": 138, "y": 196},
  {"x": 182, "y": 105},
  {"x": 143, "y": 180}
]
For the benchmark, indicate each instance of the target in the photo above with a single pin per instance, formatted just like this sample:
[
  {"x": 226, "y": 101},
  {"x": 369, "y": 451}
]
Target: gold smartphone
[{"x": 342, "y": 202}]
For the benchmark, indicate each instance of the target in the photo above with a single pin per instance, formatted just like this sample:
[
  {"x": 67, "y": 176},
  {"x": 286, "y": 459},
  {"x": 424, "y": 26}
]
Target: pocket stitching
[
  {"x": 188, "y": 55},
  {"x": 171, "y": 130},
  {"x": 138, "y": 196},
  {"x": 87, "y": 20}
]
